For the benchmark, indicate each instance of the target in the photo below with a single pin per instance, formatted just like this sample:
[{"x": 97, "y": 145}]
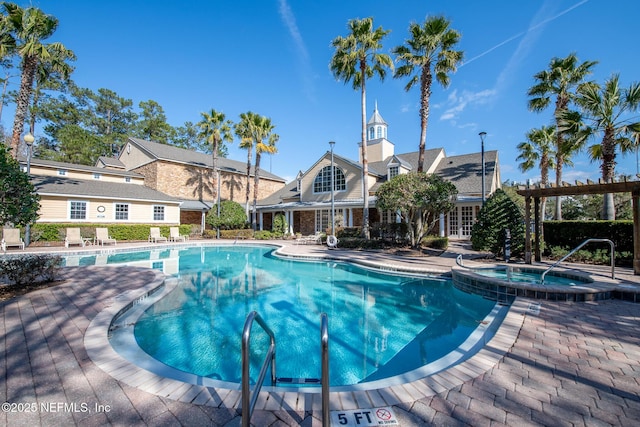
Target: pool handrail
[
  {"x": 613, "y": 257},
  {"x": 248, "y": 400},
  {"x": 324, "y": 356}
]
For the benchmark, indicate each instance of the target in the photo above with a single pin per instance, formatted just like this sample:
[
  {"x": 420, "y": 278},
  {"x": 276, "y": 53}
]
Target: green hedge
[
  {"x": 246, "y": 233},
  {"x": 569, "y": 234},
  {"x": 56, "y": 232}
]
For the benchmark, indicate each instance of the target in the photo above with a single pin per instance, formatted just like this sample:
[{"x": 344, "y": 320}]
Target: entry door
[{"x": 453, "y": 223}]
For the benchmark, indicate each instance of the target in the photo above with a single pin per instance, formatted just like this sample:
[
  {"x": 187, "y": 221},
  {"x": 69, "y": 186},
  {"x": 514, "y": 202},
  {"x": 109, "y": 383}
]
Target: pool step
[{"x": 288, "y": 380}]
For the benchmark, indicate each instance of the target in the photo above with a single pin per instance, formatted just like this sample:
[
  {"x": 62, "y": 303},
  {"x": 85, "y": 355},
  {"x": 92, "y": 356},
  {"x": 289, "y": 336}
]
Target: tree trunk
[
  {"x": 248, "y": 187},
  {"x": 29, "y": 65},
  {"x": 365, "y": 163},
  {"x": 425, "y": 88},
  {"x": 256, "y": 180},
  {"x": 608, "y": 171}
]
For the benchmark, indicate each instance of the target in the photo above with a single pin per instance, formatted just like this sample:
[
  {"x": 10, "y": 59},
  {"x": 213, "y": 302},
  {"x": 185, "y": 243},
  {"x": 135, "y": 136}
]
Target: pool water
[
  {"x": 529, "y": 277},
  {"x": 380, "y": 325}
]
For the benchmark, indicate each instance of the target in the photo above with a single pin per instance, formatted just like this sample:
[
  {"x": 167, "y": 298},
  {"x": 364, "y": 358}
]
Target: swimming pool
[{"x": 380, "y": 325}]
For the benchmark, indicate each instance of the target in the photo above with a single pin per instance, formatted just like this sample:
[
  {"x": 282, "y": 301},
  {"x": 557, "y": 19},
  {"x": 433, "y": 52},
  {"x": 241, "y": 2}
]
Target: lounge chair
[
  {"x": 313, "y": 238},
  {"x": 174, "y": 235},
  {"x": 102, "y": 236},
  {"x": 74, "y": 238},
  {"x": 11, "y": 237},
  {"x": 155, "y": 236}
]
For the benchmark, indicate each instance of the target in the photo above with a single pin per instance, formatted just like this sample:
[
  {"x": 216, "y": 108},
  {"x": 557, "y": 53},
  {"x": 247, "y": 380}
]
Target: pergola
[{"x": 536, "y": 192}]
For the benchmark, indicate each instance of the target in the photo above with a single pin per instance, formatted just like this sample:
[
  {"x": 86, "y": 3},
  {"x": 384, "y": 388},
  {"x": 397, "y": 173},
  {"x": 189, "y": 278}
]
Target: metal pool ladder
[
  {"x": 249, "y": 400},
  {"x": 613, "y": 257}
]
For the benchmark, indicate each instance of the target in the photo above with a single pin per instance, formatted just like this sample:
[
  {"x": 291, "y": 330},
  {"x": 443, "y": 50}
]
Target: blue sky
[{"x": 272, "y": 57}]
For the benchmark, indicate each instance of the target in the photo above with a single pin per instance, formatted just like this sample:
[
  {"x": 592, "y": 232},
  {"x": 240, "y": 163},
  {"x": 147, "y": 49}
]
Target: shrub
[
  {"x": 572, "y": 233},
  {"x": 245, "y": 233},
  {"x": 280, "y": 225},
  {"x": 56, "y": 232},
  {"x": 435, "y": 242},
  {"x": 265, "y": 235},
  {"x": 498, "y": 214},
  {"x": 27, "y": 269},
  {"x": 232, "y": 216}
]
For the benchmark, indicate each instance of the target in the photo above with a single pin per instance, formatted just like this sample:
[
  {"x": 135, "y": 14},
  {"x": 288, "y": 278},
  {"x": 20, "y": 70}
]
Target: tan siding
[
  {"x": 133, "y": 157},
  {"x": 353, "y": 183},
  {"x": 56, "y": 209},
  {"x": 85, "y": 175}
]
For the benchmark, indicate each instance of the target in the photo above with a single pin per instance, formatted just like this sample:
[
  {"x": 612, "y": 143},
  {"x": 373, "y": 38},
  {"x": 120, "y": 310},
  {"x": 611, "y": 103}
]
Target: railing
[
  {"x": 613, "y": 257},
  {"x": 248, "y": 400}
]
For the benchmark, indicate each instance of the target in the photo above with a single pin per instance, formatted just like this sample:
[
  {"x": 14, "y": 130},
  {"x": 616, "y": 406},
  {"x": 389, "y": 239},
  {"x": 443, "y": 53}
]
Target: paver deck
[{"x": 551, "y": 363}]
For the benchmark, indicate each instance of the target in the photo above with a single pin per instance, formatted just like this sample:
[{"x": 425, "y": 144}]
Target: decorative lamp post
[
  {"x": 482, "y": 135},
  {"x": 333, "y": 222},
  {"x": 28, "y": 139}
]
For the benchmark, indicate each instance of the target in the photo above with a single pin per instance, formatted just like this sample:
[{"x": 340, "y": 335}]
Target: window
[
  {"x": 379, "y": 133},
  {"x": 323, "y": 218},
  {"x": 158, "y": 213},
  {"x": 77, "y": 210},
  {"x": 322, "y": 183},
  {"x": 127, "y": 179},
  {"x": 393, "y": 171},
  {"x": 62, "y": 172},
  {"x": 96, "y": 176},
  {"x": 371, "y": 132},
  {"x": 122, "y": 211}
]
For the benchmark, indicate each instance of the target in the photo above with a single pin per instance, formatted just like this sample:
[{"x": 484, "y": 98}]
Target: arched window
[
  {"x": 322, "y": 183},
  {"x": 371, "y": 132},
  {"x": 379, "y": 132}
]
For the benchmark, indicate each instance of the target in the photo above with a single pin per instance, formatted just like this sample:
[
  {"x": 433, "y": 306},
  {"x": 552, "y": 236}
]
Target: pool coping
[{"x": 101, "y": 352}]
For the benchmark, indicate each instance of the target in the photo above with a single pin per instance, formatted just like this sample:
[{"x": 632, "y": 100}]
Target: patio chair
[
  {"x": 174, "y": 235},
  {"x": 102, "y": 236},
  {"x": 11, "y": 237},
  {"x": 155, "y": 236},
  {"x": 74, "y": 238},
  {"x": 313, "y": 238}
]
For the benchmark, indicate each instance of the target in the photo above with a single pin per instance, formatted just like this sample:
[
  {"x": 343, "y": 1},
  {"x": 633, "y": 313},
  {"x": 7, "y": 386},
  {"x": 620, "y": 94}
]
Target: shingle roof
[
  {"x": 465, "y": 171},
  {"x": 84, "y": 168},
  {"x": 411, "y": 159},
  {"x": 111, "y": 162},
  {"x": 53, "y": 185},
  {"x": 180, "y": 155}
]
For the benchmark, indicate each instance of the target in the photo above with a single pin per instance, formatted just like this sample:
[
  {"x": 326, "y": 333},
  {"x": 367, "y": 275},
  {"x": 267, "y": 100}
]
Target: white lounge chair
[
  {"x": 11, "y": 237},
  {"x": 174, "y": 235},
  {"x": 155, "y": 236},
  {"x": 74, "y": 238},
  {"x": 314, "y": 238},
  {"x": 102, "y": 236}
]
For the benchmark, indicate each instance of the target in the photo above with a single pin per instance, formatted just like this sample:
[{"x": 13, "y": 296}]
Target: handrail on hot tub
[
  {"x": 493, "y": 267},
  {"x": 613, "y": 257}
]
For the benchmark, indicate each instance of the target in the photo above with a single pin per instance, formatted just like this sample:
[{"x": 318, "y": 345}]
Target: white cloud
[
  {"x": 302, "y": 55},
  {"x": 455, "y": 104}
]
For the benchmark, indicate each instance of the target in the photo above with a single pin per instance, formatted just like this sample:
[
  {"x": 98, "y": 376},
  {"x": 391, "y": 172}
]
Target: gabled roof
[
  {"x": 465, "y": 171},
  {"x": 72, "y": 166},
  {"x": 408, "y": 160},
  {"x": 110, "y": 162},
  {"x": 54, "y": 185},
  {"x": 337, "y": 158},
  {"x": 174, "y": 154}
]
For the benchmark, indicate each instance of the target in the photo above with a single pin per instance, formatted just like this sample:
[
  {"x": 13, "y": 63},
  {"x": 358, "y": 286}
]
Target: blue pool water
[
  {"x": 380, "y": 325},
  {"x": 530, "y": 277}
]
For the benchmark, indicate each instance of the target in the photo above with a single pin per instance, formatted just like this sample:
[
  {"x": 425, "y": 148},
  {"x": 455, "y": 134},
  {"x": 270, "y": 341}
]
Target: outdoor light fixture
[
  {"x": 482, "y": 135},
  {"x": 333, "y": 223},
  {"x": 28, "y": 139}
]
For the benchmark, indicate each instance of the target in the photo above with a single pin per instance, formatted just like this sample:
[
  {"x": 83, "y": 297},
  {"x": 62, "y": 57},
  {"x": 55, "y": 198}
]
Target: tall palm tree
[
  {"x": 22, "y": 33},
  {"x": 215, "y": 129},
  {"x": 605, "y": 110},
  {"x": 538, "y": 148},
  {"x": 559, "y": 81},
  {"x": 355, "y": 59},
  {"x": 429, "y": 51},
  {"x": 243, "y": 130},
  {"x": 265, "y": 142}
]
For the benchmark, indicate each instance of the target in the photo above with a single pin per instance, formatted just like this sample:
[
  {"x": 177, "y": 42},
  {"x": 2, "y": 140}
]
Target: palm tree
[
  {"x": 243, "y": 130},
  {"x": 355, "y": 59},
  {"x": 605, "y": 110},
  {"x": 431, "y": 47},
  {"x": 215, "y": 130},
  {"x": 265, "y": 142},
  {"x": 563, "y": 75},
  {"x": 22, "y": 33},
  {"x": 538, "y": 148}
]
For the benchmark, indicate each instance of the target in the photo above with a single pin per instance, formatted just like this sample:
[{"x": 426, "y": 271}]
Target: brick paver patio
[{"x": 573, "y": 364}]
